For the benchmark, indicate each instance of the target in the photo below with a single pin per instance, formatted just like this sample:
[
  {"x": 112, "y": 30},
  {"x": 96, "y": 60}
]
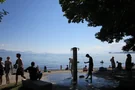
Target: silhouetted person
[
  {"x": 102, "y": 62},
  {"x": 119, "y": 65},
  {"x": 1, "y": 70},
  {"x": 8, "y": 67},
  {"x": 113, "y": 64},
  {"x": 71, "y": 65},
  {"x": 45, "y": 69},
  {"x": 33, "y": 72},
  {"x": 39, "y": 73},
  {"x": 90, "y": 66},
  {"x": 129, "y": 66},
  {"x": 66, "y": 68},
  {"x": 19, "y": 65},
  {"x": 60, "y": 67},
  {"x": 85, "y": 69}
]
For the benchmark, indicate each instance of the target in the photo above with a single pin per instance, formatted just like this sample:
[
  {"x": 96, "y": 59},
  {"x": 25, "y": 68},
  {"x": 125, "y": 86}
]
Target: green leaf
[{"x": 2, "y": 1}]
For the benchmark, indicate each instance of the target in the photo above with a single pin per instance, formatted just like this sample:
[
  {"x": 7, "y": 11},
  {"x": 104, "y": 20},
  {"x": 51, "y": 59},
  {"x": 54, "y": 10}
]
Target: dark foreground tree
[
  {"x": 3, "y": 12},
  {"x": 117, "y": 18}
]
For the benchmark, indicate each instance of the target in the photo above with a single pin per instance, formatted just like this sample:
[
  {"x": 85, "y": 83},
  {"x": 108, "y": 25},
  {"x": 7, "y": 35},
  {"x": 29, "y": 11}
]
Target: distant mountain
[
  {"x": 122, "y": 52},
  {"x": 28, "y": 52},
  {"x": 3, "y": 50},
  {"x": 11, "y": 52}
]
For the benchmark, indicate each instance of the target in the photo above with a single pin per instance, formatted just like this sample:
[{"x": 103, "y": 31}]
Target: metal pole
[{"x": 74, "y": 65}]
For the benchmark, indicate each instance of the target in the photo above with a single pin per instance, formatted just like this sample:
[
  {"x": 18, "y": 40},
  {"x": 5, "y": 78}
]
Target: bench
[{"x": 36, "y": 85}]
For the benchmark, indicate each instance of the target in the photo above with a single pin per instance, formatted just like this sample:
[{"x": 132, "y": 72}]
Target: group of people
[
  {"x": 6, "y": 67},
  {"x": 36, "y": 74},
  {"x": 90, "y": 68},
  {"x": 128, "y": 65}
]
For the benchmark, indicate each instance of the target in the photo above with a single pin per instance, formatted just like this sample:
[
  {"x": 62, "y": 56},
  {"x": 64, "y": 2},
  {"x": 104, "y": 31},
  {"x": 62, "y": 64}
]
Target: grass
[
  {"x": 12, "y": 87},
  {"x": 19, "y": 87}
]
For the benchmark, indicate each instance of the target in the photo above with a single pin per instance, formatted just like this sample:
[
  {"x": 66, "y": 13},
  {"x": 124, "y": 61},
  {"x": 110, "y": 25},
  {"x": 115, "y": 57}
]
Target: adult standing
[
  {"x": 90, "y": 66},
  {"x": 113, "y": 63},
  {"x": 60, "y": 67},
  {"x": 1, "y": 70},
  {"x": 45, "y": 69},
  {"x": 19, "y": 64},
  {"x": 129, "y": 65},
  {"x": 71, "y": 65},
  {"x": 8, "y": 67}
]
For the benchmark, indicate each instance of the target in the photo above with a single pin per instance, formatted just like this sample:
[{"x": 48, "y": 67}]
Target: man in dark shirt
[
  {"x": 32, "y": 71},
  {"x": 90, "y": 66}
]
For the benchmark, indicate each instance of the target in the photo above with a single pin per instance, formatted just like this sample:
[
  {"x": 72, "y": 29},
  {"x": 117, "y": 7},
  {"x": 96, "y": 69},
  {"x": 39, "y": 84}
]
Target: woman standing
[
  {"x": 1, "y": 70},
  {"x": 113, "y": 64},
  {"x": 8, "y": 67}
]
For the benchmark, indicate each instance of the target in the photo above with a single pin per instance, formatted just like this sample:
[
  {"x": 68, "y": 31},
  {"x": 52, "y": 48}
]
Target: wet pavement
[{"x": 65, "y": 79}]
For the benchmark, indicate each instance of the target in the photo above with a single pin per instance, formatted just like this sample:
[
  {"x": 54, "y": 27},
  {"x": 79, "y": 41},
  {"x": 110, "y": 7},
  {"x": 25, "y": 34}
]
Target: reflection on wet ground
[{"x": 66, "y": 80}]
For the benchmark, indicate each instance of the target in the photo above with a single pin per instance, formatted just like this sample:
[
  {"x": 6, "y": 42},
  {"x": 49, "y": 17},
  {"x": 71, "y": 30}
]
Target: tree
[
  {"x": 3, "y": 12},
  {"x": 116, "y": 18}
]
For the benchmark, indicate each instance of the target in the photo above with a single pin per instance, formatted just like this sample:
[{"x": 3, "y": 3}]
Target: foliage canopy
[
  {"x": 115, "y": 16},
  {"x": 3, "y": 12}
]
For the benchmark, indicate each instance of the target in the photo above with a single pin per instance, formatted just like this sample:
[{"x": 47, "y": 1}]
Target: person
[
  {"x": 33, "y": 72},
  {"x": 90, "y": 69},
  {"x": 129, "y": 65},
  {"x": 60, "y": 67},
  {"x": 1, "y": 70},
  {"x": 66, "y": 68},
  {"x": 19, "y": 65},
  {"x": 113, "y": 64},
  {"x": 45, "y": 69},
  {"x": 39, "y": 73},
  {"x": 102, "y": 62},
  {"x": 3, "y": 64},
  {"x": 71, "y": 65},
  {"x": 85, "y": 69},
  {"x": 119, "y": 66},
  {"x": 8, "y": 67}
]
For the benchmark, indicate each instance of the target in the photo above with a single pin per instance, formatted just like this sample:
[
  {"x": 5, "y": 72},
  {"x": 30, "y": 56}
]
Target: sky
[{"x": 39, "y": 26}]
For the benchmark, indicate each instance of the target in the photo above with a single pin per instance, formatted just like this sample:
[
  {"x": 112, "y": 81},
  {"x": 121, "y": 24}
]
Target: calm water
[{"x": 53, "y": 61}]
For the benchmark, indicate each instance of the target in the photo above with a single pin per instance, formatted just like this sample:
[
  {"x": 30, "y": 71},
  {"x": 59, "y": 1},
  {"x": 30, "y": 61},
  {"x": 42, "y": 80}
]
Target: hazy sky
[{"x": 39, "y": 26}]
